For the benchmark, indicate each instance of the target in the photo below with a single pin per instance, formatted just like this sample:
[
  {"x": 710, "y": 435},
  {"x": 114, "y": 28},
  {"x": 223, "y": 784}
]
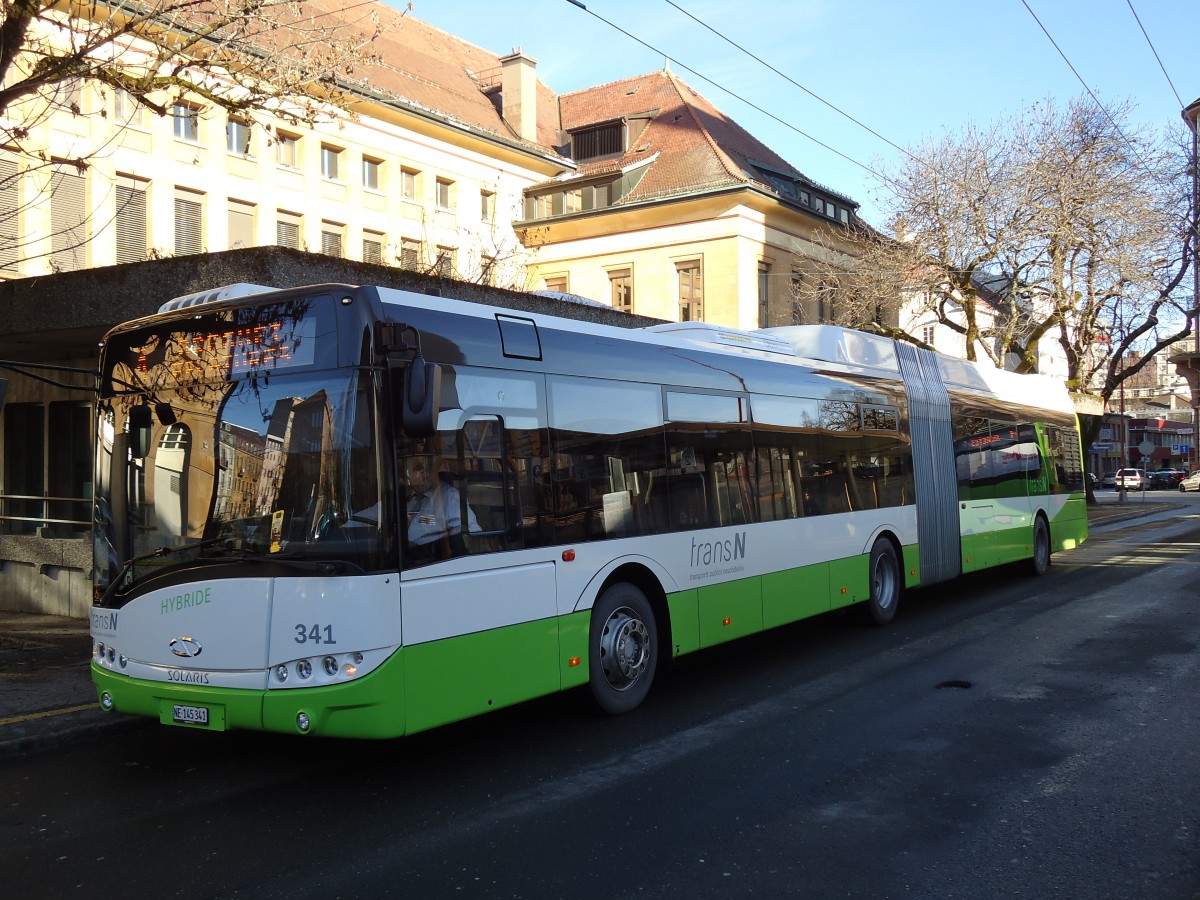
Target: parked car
[
  {"x": 1109, "y": 479},
  {"x": 1130, "y": 479},
  {"x": 1164, "y": 479},
  {"x": 1191, "y": 483}
]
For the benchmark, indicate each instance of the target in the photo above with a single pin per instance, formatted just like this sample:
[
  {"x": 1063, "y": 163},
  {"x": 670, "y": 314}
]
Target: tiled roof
[
  {"x": 433, "y": 70},
  {"x": 691, "y": 145},
  {"x": 698, "y": 147}
]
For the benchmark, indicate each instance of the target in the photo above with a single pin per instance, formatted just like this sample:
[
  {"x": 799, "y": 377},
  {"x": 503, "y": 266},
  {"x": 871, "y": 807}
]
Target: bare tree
[
  {"x": 1061, "y": 225},
  {"x": 278, "y": 59}
]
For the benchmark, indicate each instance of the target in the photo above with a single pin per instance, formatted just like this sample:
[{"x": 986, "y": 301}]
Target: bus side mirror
[
  {"x": 420, "y": 395},
  {"x": 140, "y": 422}
]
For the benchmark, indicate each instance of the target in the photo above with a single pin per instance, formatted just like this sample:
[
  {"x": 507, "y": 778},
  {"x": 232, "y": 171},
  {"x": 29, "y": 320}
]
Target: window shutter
[
  {"x": 241, "y": 225},
  {"x": 287, "y": 230},
  {"x": 131, "y": 220},
  {"x": 373, "y": 249},
  {"x": 68, "y": 219},
  {"x": 10, "y": 200},
  {"x": 189, "y": 223},
  {"x": 410, "y": 254},
  {"x": 331, "y": 243}
]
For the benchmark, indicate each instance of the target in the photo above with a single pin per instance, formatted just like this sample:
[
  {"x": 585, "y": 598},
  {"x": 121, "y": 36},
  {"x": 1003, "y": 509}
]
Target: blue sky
[{"x": 908, "y": 71}]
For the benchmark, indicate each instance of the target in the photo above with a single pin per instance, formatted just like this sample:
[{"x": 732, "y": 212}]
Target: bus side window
[
  {"x": 608, "y": 458},
  {"x": 710, "y": 460}
]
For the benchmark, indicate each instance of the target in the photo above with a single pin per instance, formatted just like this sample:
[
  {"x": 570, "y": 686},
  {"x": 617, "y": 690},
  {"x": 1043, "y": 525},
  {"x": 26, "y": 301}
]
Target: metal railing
[{"x": 28, "y": 522}]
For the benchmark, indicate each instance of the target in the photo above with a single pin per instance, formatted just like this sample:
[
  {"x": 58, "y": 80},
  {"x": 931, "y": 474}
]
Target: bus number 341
[{"x": 316, "y": 634}]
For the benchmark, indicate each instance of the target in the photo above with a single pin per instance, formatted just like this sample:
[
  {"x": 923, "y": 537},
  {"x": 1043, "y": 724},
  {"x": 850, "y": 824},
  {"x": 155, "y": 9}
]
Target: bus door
[{"x": 479, "y": 619}]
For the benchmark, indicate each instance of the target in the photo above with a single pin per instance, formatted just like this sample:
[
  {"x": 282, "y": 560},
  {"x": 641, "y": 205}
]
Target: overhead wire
[
  {"x": 792, "y": 81},
  {"x": 1154, "y": 50},
  {"x": 1104, "y": 109},
  {"x": 731, "y": 93}
]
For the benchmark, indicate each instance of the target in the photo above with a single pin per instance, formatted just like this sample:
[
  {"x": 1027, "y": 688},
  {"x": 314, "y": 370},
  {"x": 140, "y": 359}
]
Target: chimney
[{"x": 518, "y": 93}]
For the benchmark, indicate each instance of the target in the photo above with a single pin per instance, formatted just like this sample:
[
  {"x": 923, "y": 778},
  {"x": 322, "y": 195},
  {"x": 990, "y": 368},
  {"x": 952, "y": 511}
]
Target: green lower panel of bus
[
  {"x": 1070, "y": 527},
  {"x": 463, "y": 676},
  {"x": 368, "y": 707},
  {"x": 1006, "y": 545}
]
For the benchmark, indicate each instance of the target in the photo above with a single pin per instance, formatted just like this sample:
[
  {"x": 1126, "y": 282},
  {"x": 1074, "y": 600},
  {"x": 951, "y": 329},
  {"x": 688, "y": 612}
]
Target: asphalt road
[{"x": 1005, "y": 737}]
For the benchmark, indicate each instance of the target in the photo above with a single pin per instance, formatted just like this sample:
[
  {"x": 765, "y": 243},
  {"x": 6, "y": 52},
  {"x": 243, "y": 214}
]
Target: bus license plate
[{"x": 190, "y": 715}]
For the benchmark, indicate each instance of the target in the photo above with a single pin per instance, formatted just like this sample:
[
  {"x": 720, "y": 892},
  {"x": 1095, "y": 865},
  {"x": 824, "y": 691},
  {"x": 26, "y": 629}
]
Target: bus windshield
[{"x": 274, "y": 468}]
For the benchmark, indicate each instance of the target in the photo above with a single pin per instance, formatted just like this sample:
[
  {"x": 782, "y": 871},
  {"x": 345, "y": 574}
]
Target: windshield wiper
[{"x": 125, "y": 577}]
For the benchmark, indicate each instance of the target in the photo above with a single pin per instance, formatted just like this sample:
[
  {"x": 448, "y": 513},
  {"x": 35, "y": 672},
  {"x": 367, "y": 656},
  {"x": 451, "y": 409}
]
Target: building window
[
  {"x": 691, "y": 292},
  {"x": 556, "y": 283},
  {"x": 443, "y": 193},
  {"x": 826, "y": 304},
  {"x": 487, "y": 206},
  {"x": 237, "y": 137},
  {"x": 540, "y": 206},
  {"x": 68, "y": 218},
  {"x": 443, "y": 267},
  {"x": 187, "y": 122},
  {"x": 330, "y": 162},
  {"x": 573, "y": 201},
  {"x": 371, "y": 169},
  {"x": 408, "y": 183},
  {"x": 764, "y": 295},
  {"x": 410, "y": 254},
  {"x": 927, "y": 334},
  {"x": 241, "y": 224},
  {"x": 130, "y": 219},
  {"x": 189, "y": 223},
  {"x": 126, "y": 110},
  {"x": 603, "y": 140},
  {"x": 487, "y": 271},
  {"x": 287, "y": 150},
  {"x": 620, "y": 286},
  {"x": 287, "y": 230},
  {"x": 331, "y": 239},
  {"x": 24, "y": 465},
  {"x": 10, "y": 206},
  {"x": 372, "y": 249}
]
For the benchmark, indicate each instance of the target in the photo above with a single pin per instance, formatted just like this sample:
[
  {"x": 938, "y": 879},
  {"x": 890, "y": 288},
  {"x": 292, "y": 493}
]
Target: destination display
[{"x": 222, "y": 346}]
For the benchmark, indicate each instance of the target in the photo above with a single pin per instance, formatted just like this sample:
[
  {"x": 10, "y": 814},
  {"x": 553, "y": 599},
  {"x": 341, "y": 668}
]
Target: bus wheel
[
  {"x": 1040, "y": 563},
  {"x": 885, "y": 582},
  {"x": 622, "y": 649}
]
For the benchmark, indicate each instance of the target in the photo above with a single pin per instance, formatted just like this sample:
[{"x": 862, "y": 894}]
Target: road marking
[{"x": 29, "y": 717}]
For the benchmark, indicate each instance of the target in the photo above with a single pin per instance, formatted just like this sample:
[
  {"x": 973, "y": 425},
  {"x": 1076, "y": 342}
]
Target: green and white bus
[{"x": 364, "y": 512}]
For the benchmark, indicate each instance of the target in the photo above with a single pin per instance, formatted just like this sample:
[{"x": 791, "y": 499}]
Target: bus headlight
[{"x": 318, "y": 671}]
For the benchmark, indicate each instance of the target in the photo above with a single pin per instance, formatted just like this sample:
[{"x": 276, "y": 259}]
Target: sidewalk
[
  {"x": 46, "y": 692},
  {"x": 47, "y": 697}
]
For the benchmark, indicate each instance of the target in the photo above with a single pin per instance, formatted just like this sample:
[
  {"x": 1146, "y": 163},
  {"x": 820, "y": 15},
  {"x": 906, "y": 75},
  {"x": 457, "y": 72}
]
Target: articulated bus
[{"x": 363, "y": 512}]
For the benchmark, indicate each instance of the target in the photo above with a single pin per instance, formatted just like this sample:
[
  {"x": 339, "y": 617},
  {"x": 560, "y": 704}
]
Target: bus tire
[
  {"x": 622, "y": 649},
  {"x": 1039, "y": 563},
  {"x": 885, "y": 582}
]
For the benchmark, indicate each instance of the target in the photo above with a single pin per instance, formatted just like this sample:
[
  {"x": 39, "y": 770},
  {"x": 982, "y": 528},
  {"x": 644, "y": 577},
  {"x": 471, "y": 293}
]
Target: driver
[{"x": 435, "y": 511}]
